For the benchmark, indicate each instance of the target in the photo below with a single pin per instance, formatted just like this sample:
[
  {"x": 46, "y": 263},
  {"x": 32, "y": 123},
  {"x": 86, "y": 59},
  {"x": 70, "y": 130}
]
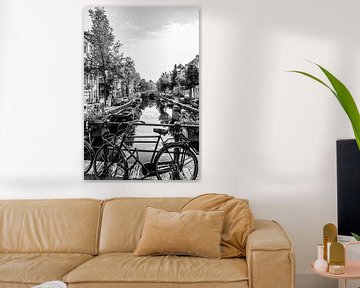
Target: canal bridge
[{"x": 151, "y": 93}]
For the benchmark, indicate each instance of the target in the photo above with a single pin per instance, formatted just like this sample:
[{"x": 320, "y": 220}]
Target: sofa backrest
[
  {"x": 123, "y": 220},
  {"x": 68, "y": 226}
]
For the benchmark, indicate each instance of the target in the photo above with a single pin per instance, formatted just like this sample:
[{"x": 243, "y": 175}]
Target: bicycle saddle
[{"x": 161, "y": 131}]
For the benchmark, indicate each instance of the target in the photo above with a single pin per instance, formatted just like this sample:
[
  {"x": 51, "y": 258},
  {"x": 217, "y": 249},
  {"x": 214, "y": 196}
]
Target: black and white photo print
[{"x": 141, "y": 93}]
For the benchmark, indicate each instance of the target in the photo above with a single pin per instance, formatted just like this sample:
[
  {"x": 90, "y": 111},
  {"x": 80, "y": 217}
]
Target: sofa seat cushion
[
  {"x": 36, "y": 268},
  {"x": 125, "y": 267}
]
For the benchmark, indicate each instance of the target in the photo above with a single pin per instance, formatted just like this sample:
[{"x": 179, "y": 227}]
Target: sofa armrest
[{"x": 269, "y": 256}]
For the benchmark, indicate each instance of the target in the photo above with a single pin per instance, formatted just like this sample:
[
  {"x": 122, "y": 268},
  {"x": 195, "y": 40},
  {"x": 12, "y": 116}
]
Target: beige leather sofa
[{"x": 89, "y": 243}]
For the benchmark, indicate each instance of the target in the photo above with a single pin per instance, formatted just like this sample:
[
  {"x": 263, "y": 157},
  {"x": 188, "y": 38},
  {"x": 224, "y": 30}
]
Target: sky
[{"x": 156, "y": 38}]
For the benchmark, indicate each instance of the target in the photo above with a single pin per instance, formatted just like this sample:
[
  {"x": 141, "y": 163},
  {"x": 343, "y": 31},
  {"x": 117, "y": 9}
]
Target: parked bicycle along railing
[
  {"x": 93, "y": 133},
  {"x": 171, "y": 158}
]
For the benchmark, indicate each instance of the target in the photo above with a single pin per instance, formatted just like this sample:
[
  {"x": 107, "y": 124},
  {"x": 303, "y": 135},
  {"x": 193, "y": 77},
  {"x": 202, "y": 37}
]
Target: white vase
[{"x": 320, "y": 264}]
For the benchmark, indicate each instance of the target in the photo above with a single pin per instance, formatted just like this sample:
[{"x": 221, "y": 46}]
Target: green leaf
[
  {"x": 344, "y": 97},
  {"x": 356, "y": 236},
  {"x": 357, "y": 137},
  {"x": 347, "y": 102},
  {"x": 316, "y": 79}
]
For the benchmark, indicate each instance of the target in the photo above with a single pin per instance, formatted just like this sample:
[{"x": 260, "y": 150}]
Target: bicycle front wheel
[
  {"x": 88, "y": 157},
  {"x": 176, "y": 162},
  {"x": 110, "y": 164}
]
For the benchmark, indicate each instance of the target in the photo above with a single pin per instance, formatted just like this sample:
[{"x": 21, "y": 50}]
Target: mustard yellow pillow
[
  {"x": 193, "y": 232},
  {"x": 238, "y": 223}
]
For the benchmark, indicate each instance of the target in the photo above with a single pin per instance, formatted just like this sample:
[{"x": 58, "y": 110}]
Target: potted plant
[{"x": 343, "y": 95}]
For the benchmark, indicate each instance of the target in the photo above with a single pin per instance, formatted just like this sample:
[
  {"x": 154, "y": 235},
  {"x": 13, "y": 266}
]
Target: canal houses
[
  {"x": 194, "y": 91},
  {"x": 91, "y": 81},
  {"x": 94, "y": 86}
]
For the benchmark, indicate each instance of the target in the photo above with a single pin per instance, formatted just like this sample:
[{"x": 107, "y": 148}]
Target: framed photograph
[{"x": 141, "y": 93}]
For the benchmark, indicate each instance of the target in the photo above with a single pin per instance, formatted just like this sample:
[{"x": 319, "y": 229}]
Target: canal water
[{"x": 151, "y": 112}]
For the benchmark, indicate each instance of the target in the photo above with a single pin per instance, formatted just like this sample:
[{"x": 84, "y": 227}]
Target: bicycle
[
  {"x": 88, "y": 150},
  {"x": 88, "y": 157},
  {"x": 174, "y": 161},
  {"x": 92, "y": 141}
]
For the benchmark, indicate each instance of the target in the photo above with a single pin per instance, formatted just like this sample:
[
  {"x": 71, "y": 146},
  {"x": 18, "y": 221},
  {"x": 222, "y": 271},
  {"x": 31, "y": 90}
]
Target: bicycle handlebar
[{"x": 126, "y": 126}]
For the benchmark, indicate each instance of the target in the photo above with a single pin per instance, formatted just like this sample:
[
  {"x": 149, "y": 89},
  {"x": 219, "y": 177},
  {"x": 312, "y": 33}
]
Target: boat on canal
[{"x": 125, "y": 115}]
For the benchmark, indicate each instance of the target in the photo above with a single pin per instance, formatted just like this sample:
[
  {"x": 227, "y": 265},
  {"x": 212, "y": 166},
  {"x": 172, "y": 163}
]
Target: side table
[{"x": 352, "y": 269}]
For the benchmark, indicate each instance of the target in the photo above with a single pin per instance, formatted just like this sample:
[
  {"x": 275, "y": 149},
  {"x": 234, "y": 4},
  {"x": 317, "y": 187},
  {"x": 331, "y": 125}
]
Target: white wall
[{"x": 267, "y": 135}]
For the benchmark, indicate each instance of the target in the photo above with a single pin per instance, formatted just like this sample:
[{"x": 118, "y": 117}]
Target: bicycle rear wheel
[
  {"x": 110, "y": 164},
  {"x": 88, "y": 157},
  {"x": 176, "y": 162}
]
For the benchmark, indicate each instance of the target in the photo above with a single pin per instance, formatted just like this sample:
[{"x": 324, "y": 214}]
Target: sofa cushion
[
  {"x": 63, "y": 226},
  {"x": 123, "y": 220},
  {"x": 36, "y": 268},
  {"x": 193, "y": 232},
  {"x": 238, "y": 223},
  {"x": 126, "y": 268}
]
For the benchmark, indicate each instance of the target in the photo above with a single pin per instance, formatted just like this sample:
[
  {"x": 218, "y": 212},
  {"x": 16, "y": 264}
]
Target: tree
[
  {"x": 128, "y": 73},
  {"x": 137, "y": 80},
  {"x": 144, "y": 86},
  {"x": 181, "y": 80},
  {"x": 115, "y": 71},
  {"x": 180, "y": 77},
  {"x": 173, "y": 77},
  {"x": 164, "y": 81},
  {"x": 192, "y": 77},
  {"x": 105, "y": 49}
]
